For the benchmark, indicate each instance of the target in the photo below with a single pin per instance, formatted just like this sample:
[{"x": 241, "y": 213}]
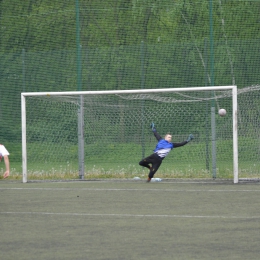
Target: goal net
[{"x": 104, "y": 134}]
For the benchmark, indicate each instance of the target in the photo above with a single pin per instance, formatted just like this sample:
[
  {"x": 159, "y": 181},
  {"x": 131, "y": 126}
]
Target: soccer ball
[{"x": 222, "y": 112}]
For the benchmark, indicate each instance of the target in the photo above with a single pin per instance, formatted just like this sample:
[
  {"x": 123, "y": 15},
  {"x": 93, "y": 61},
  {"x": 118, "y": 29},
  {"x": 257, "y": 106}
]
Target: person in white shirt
[{"x": 4, "y": 153}]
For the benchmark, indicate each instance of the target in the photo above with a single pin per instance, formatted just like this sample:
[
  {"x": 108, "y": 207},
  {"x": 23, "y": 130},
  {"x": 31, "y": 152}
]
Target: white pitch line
[
  {"x": 101, "y": 189},
  {"x": 129, "y": 215}
]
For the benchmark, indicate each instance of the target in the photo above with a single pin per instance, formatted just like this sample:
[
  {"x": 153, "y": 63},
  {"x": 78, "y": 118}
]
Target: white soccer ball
[{"x": 222, "y": 112}]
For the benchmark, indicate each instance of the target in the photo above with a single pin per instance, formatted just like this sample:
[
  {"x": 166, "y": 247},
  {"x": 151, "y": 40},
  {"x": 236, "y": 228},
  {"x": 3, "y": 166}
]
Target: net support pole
[
  {"x": 213, "y": 134},
  {"x": 81, "y": 137},
  {"x": 207, "y": 103},
  {"x": 235, "y": 134},
  {"x": 80, "y": 109},
  {"x": 142, "y": 101},
  {"x": 23, "y": 69},
  {"x": 213, "y": 123},
  {"x": 24, "y": 149}
]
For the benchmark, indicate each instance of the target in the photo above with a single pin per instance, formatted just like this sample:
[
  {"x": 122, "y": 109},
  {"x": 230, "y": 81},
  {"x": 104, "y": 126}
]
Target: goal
[{"x": 104, "y": 134}]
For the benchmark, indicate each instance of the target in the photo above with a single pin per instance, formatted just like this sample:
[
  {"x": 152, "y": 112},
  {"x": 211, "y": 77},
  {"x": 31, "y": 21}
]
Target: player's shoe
[{"x": 148, "y": 180}]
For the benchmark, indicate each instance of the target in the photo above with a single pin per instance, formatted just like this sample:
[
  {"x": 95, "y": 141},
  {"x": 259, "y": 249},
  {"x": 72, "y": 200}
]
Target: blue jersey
[{"x": 163, "y": 147}]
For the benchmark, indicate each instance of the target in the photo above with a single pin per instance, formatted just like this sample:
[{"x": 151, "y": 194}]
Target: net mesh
[
  {"x": 117, "y": 133},
  {"x": 126, "y": 44}
]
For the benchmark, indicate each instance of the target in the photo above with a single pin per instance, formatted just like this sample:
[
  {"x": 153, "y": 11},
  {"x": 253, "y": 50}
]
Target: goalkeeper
[{"x": 163, "y": 147}]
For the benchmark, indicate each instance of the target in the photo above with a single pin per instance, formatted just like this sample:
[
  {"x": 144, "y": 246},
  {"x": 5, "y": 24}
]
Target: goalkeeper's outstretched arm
[
  {"x": 175, "y": 145},
  {"x": 157, "y": 136},
  {"x": 191, "y": 137}
]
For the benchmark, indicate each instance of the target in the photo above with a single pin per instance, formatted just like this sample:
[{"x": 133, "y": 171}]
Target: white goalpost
[{"x": 103, "y": 130}]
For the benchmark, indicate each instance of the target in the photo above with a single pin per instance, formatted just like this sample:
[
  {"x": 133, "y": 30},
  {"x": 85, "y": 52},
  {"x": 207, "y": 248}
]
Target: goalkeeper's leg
[
  {"x": 147, "y": 161},
  {"x": 154, "y": 168},
  {"x": 155, "y": 162}
]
